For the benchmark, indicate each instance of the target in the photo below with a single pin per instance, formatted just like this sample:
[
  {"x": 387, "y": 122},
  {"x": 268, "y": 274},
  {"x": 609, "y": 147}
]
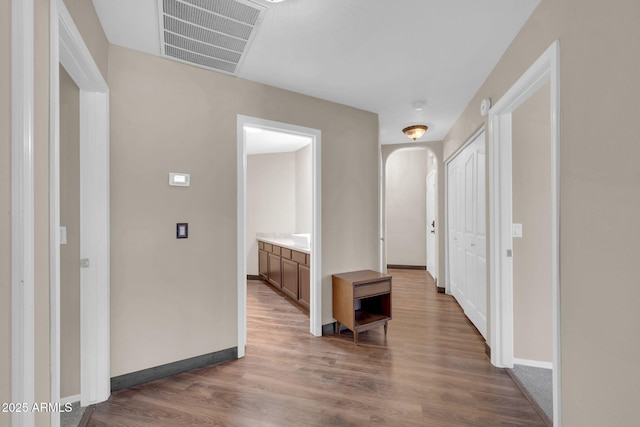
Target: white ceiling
[
  {"x": 379, "y": 56},
  {"x": 263, "y": 141}
]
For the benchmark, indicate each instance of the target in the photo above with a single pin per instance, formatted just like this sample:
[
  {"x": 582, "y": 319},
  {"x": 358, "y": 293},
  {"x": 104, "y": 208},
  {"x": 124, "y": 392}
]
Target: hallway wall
[
  {"x": 531, "y": 155},
  {"x": 406, "y": 207},
  {"x": 170, "y": 297},
  {"x": 70, "y": 252},
  {"x": 598, "y": 207}
]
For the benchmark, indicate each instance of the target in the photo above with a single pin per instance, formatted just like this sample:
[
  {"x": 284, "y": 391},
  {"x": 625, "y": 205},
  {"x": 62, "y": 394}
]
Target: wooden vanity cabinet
[
  {"x": 263, "y": 264},
  {"x": 304, "y": 279},
  {"x": 275, "y": 269},
  {"x": 290, "y": 278},
  {"x": 287, "y": 270}
]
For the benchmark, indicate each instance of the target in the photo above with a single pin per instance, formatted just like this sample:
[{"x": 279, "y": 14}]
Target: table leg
[
  {"x": 338, "y": 326},
  {"x": 355, "y": 337},
  {"x": 386, "y": 324}
]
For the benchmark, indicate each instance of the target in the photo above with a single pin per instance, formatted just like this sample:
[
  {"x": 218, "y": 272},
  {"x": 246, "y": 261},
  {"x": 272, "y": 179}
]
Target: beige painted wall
[
  {"x": 304, "y": 193},
  {"x": 531, "y": 157},
  {"x": 5, "y": 209},
  {"x": 406, "y": 207},
  {"x": 599, "y": 182},
  {"x": 174, "y": 299},
  {"x": 69, "y": 253},
  {"x": 271, "y": 199}
]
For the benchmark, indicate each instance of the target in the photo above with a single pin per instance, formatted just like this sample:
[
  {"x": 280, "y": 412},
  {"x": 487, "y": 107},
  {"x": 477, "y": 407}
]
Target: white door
[
  {"x": 431, "y": 224},
  {"x": 467, "y": 231}
]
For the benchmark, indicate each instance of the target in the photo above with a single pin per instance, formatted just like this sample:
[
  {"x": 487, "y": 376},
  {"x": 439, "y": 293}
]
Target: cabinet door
[
  {"x": 290, "y": 278},
  {"x": 263, "y": 264},
  {"x": 304, "y": 278},
  {"x": 274, "y": 270}
]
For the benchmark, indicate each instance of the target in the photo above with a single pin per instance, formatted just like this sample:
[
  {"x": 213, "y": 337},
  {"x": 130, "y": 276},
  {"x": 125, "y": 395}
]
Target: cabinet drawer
[
  {"x": 286, "y": 253},
  {"x": 275, "y": 250},
  {"x": 368, "y": 289},
  {"x": 268, "y": 247},
  {"x": 299, "y": 257},
  {"x": 260, "y": 245}
]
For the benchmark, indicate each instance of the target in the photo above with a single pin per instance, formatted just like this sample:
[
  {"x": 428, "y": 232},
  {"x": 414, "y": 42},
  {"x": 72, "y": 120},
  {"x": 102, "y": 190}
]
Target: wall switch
[
  {"x": 182, "y": 230},
  {"x": 516, "y": 230},
  {"x": 63, "y": 235}
]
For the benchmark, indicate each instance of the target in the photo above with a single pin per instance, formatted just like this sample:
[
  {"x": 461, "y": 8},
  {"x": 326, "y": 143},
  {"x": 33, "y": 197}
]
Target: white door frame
[
  {"x": 68, "y": 48},
  {"x": 433, "y": 173},
  {"x": 315, "y": 305},
  {"x": 545, "y": 69},
  {"x": 22, "y": 210}
]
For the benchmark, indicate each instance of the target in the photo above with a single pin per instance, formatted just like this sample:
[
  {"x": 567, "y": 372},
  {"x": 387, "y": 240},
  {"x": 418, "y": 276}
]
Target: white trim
[
  {"x": 315, "y": 306},
  {"x": 241, "y": 255},
  {"x": 54, "y": 208},
  {"x": 22, "y": 209},
  {"x": 545, "y": 69},
  {"x": 533, "y": 363},
  {"x": 382, "y": 213},
  {"x": 94, "y": 246},
  {"x": 69, "y": 399},
  {"x": 434, "y": 172},
  {"x": 74, "y": 55}
]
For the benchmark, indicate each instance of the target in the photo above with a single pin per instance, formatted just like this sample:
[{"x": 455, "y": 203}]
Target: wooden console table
[{"x": 361, "y": 300}]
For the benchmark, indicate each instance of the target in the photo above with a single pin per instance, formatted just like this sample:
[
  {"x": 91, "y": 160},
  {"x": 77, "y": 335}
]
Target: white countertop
[{"x": 284, "y": 240}]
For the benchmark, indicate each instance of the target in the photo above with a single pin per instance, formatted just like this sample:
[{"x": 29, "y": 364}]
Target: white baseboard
[
  {"x": 533, "y": 363},
  {"x": 70, "y": 399}
]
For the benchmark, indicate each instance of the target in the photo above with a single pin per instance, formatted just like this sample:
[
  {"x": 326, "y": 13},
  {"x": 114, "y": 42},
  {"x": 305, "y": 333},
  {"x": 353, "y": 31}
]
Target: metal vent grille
[{"x": 213, "y": 34}]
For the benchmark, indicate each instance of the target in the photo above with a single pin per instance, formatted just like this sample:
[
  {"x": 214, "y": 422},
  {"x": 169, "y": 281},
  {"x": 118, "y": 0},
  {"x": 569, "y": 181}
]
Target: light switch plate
[
  {"x": 63, "y": 235},
  {"x": 179, "y": 179},
  {"x": 516, "y": 230}
]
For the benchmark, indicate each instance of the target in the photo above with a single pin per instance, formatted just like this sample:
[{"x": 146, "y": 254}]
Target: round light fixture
[{"x": 416, "y": 131}]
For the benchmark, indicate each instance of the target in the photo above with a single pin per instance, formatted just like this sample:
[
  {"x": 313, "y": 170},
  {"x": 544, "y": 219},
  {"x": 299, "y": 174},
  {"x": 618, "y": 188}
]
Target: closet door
[{"x": 467, "y": 231}]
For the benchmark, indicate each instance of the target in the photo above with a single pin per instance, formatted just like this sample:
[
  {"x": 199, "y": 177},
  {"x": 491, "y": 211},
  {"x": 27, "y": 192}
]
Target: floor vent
[{"x": 213, "y": 34}]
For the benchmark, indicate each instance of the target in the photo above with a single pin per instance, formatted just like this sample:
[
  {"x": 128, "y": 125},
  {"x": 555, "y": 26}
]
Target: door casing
[
  {"x": 315, "y": 306},
  {"x": 68, "y": 48},
  {"x": 544, "y": 69}
]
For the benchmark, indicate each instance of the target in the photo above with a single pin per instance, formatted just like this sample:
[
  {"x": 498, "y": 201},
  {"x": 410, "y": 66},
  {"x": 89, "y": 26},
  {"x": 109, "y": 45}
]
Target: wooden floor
[{"x": 431, "y": 370}]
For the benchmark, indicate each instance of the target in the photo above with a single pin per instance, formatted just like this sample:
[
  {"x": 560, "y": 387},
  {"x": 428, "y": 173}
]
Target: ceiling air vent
[{"x": 213, "y": 34}]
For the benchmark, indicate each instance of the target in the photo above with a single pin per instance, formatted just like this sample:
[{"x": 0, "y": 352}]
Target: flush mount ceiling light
[
  {"x": 416, "y": 131},
  {"x": 274, "y": 1}
]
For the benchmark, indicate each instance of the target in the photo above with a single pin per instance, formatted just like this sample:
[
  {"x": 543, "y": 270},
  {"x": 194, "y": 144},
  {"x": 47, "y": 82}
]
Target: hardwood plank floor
[{"x": 430, "y": 370}]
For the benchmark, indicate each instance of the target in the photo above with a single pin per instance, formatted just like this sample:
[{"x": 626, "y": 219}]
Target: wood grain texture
[{"x": 430, "y": 371}]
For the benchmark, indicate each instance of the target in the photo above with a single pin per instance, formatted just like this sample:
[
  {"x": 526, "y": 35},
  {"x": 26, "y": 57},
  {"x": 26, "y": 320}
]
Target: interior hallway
[{"x": 430, "y": 371}]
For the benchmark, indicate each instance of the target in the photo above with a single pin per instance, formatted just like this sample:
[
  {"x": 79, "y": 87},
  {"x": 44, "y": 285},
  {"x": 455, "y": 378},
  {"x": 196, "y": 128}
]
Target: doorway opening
[
  {"x": 409, "y": 208},
  {"x": 544, "y": 71},
  {"x": 310, "y": 216},
  {"x": 69, "y": 50}
]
